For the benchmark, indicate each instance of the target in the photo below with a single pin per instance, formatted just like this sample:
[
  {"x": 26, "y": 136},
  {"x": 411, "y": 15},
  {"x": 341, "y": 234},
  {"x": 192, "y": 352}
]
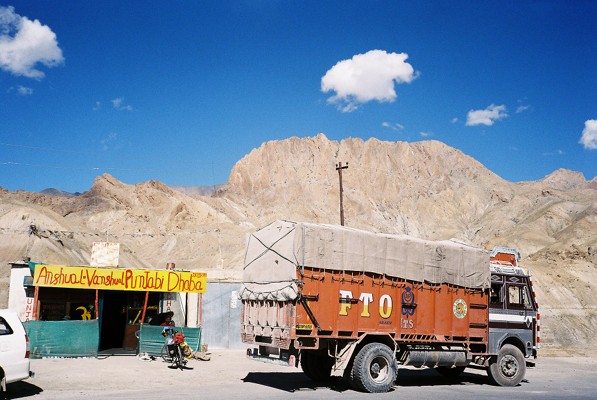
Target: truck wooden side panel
[
  {"x": 349, "y": 304},
  {"x": 346, "y": 305}
]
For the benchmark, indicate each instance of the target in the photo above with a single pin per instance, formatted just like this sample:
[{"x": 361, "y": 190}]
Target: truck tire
[
  {"x": 508, "y": 368},
  {"x": 450, "y": 372},
  {"x": 316, "y": 367},
  {"x": 374, "y": 369}
]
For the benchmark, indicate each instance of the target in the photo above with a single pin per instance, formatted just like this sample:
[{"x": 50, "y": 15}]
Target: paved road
[{"x": 229, "y": 375}]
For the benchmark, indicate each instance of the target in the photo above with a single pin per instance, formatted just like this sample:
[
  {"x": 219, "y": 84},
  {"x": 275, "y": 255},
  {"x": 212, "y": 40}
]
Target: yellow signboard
[{"x": 119, "y": 279}]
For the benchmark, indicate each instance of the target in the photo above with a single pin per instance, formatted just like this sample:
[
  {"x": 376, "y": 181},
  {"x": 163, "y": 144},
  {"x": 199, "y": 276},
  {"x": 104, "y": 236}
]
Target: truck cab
[{"x": 513, "y": 314}]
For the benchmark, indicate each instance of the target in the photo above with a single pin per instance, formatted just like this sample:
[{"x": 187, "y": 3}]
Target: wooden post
[
  {"x": 96, "y": 303},
  {"x": 35, "y": 304},
  {"x": 201, "y": 310},
  {"x": 145, "y": 307},
  {"x": 339, "y": 168}
]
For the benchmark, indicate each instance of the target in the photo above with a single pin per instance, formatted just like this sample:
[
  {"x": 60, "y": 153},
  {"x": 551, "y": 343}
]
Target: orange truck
[{"x": 345, "y": 302}]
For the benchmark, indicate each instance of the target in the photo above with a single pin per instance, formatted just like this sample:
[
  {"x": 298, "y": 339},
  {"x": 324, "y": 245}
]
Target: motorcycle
[{"x": 175, "y": 351}]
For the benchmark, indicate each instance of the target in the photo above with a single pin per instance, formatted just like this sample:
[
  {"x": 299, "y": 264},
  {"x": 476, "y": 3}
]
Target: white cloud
[
  {"x": 522, "y": 105},
  {"x": 109, "y": 141},
  {"x": 454, "y": 120},
  {"x": 25, "y": 43},
  {"x": 558, "y": 152},
  {"x": 24, "y": 91},
  {"x": 366, "y": 77},
  {"x": 396, "y": 126},
  {"x": 425, "y": 134},
  {"x": 118, "y": 104},
  {"x": 20, "y": 90},
  {"x": 487, "y": 116},
  {"x": 589, "y": 135}
]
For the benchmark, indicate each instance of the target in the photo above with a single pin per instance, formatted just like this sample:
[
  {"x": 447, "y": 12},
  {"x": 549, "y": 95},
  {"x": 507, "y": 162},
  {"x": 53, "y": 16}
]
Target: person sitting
[{"x": 168, "y": 319}]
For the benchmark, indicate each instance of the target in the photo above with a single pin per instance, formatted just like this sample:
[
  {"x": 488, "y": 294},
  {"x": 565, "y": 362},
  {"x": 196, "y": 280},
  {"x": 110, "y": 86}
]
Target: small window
[
  {"x": 5, "y": 329},
  {"x": 527, "y": 298},
  {"x": 514, "y": 296},
  {"x": 495, "y": 295},
  {"x": 518, "y": 296}
]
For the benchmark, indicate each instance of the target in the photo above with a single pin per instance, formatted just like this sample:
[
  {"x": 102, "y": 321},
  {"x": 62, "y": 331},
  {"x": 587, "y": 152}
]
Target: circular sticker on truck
[{"x": 459, "y": 308}]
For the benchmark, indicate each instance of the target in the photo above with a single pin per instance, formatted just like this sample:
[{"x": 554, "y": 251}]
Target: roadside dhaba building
[{"x": 78, "y": 311}]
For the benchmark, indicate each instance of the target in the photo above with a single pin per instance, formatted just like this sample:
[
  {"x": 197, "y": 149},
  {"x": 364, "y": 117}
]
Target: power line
[
  {"x": 43, "y": 148},
  {"x": 76, "y": 168},
  {"x": 49, "y": 233},
  {"x": 99, "y": 154}
]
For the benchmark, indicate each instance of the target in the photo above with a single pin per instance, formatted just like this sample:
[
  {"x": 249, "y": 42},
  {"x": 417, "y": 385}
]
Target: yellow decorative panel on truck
[{"x": 119, "y": 279}]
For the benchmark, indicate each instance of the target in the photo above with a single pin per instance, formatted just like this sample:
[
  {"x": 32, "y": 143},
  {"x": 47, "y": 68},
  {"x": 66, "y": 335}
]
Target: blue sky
[{"x": 179, "y": 91}]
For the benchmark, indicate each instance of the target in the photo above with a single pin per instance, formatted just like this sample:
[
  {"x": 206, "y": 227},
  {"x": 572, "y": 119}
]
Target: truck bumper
[{"x": 282, "y": 358}]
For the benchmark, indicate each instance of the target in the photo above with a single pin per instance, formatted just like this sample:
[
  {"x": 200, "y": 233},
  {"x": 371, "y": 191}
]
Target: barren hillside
[{"x": 425, "y": 189}]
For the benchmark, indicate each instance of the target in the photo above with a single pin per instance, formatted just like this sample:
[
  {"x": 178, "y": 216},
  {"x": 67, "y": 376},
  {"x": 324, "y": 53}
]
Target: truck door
[
  {"x": 519, "y": 299},
  {"x": 519, "y": 302}
]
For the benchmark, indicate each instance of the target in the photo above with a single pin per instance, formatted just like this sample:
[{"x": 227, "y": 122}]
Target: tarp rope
[{"x": 270, "y": 248}]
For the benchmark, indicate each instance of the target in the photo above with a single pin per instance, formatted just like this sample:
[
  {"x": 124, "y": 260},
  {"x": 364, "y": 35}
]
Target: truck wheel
[
  {"x": 316, "y": 367},
  {"x": 508, "y": 368},
  {"x": 450, "y": 372},
  {"x": 374, "y": 369}
]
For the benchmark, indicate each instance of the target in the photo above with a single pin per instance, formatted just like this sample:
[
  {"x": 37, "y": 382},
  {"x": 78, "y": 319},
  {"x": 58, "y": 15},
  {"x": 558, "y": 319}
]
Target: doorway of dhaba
[{"x": 112, "y": 309}]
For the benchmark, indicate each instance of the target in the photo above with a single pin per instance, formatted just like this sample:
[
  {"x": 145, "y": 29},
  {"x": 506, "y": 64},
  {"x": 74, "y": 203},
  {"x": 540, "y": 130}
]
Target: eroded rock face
[
  {"x": 425, "y": 189},
  {"x": 564, "y": 179}
]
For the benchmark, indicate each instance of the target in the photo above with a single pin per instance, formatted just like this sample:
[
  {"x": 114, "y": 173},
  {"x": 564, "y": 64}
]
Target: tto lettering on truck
[{"x": 384, "y": 305}]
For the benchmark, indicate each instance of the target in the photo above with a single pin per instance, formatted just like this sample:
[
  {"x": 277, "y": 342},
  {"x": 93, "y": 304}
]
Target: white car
[{"x": 14, "y": 350}]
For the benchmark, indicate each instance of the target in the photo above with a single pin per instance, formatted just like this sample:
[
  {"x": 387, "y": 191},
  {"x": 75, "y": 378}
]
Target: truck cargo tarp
[{"x": 274, "y": 253}]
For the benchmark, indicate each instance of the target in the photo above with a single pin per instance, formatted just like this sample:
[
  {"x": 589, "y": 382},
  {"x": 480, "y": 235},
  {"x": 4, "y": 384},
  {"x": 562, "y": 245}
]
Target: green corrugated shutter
[
  {"x": 151, "y": 340},
  {"x": 63, "y": 338}
]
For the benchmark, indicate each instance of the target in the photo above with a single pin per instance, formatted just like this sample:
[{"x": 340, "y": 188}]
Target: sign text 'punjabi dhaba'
[{"x": 119, "y": 279}]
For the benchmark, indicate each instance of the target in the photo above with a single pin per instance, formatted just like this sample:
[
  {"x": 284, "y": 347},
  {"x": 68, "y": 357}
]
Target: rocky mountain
[
  {"x": 197, "y": 190},
  {"x": 425, "y": 189},
  {"x": 61, "y": 193}
]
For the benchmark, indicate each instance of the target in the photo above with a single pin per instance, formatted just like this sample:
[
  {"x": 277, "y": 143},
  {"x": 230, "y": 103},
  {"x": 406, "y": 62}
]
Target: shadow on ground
[
  {"x": 20, "y": 390},
  {"x": 294, "y": 381},
  {"x": 297, "y": 381}
]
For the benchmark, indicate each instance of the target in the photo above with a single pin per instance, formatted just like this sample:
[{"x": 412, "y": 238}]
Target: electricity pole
[{"x": 339, "y": 168}]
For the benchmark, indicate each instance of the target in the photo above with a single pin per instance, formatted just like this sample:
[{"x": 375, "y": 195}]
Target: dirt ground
[
  {"x": 128, "y": 372},
  {"x": 229, "y": 370}
]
